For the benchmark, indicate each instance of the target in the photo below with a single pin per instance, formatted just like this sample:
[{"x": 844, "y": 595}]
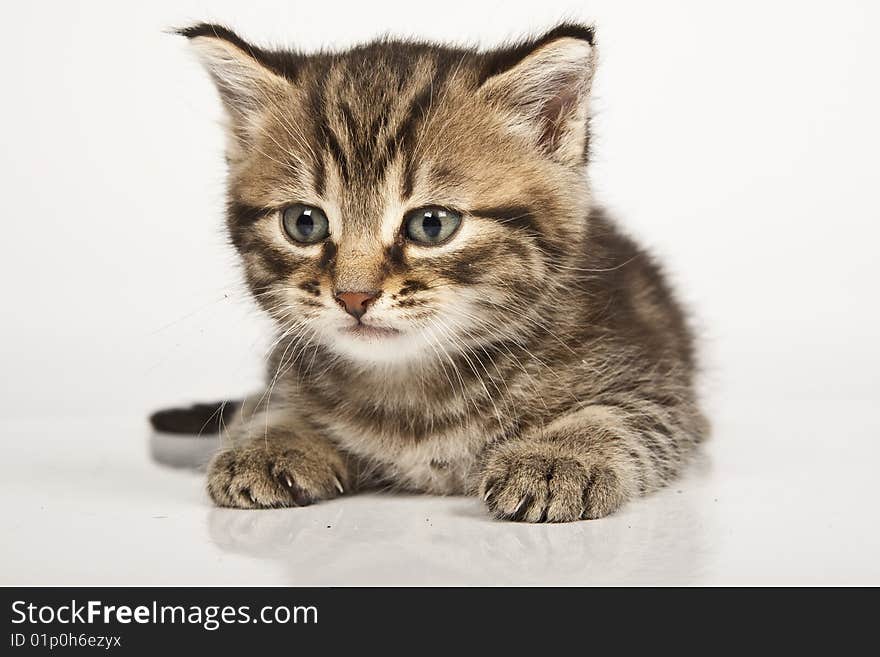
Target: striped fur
[{"x": 537, "y": 358}]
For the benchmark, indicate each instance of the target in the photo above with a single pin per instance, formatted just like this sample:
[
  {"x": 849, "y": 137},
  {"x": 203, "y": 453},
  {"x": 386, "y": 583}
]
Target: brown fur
[{"x": 541, "y": 361}]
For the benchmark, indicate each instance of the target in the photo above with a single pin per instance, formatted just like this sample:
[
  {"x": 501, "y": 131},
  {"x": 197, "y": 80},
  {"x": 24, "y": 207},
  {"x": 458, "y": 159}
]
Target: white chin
[{"x": 378, "y": 346}]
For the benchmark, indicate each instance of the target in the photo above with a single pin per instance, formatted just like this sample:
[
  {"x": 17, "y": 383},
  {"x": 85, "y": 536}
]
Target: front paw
[
  {"x": 260, "y": 477},
  {"x": 538, "y": 482}
]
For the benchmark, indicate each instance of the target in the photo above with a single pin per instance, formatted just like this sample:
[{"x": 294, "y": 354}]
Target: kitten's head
[{"x": 401, "y": 200}]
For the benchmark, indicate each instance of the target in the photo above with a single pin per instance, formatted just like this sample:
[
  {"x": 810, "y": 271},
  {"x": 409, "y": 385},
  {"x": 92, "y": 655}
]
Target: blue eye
[
  {"x": 305, "y": 223},
  {"x": 431, "y": 225}
]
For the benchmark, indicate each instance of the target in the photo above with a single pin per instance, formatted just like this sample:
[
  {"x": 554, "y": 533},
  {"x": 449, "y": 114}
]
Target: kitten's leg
[
  {"x": 588, "y": 463},
  {"x": 277, "y": 467}
]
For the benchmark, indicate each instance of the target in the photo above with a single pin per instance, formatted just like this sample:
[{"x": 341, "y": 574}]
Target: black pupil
[
  {"x": 431, "y": 224},
  {"x": 305, "y": 224}
]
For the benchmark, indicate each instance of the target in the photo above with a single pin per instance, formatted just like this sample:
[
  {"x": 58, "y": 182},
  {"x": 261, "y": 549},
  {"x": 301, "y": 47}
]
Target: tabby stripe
[
  {"x": 415, "y": 113},
  {"x": 278, "y": 262},
  {"x": 246, "y": 215},
  {"x": 362, "y": 144},
  {"x": 401, "y": 140},
  {"x": 351, "y": 126},
  {"x": 336, "y": 151},
  {"x": 516, "y": 216},
  {"x": 323, "y": 133},
  {"x": 404, "y": 141},
  {"x": 319, "y": 176},
  {"x": 328, "y": 255},
  {"x": 650, "y": 430},
  {"x": 240, "y": 217},
  {"x": 519, "y": 217},
  {"x": 395, "y": 258}
]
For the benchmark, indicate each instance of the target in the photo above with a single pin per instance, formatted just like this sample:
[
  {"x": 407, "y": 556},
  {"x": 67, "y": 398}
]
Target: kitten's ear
[
  {"x": 243, "y": 74},
  {"x": 544, "y": 86}
]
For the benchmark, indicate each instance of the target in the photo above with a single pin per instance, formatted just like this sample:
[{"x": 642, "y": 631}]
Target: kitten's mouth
[{"x": 371, "y": 332}]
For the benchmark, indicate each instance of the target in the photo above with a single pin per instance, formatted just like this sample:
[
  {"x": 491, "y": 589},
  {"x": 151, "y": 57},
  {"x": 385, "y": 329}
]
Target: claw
[
  {"x": 338, "y": 485},
  {"x": 488, "y": 493},
  {"x": 521, "y": 502},
  {"x": 288, "y": 481},
  {"x": 251, "y": 495}
]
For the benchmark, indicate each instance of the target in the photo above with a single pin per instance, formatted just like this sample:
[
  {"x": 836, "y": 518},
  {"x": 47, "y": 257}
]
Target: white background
[{"x": 738, "y": 142}]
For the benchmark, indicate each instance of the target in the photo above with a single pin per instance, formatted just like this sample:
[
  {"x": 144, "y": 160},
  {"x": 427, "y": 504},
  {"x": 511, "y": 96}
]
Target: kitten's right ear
[
  {"x": 543, "y": 88},
  {"x": 244, "y": 75}
]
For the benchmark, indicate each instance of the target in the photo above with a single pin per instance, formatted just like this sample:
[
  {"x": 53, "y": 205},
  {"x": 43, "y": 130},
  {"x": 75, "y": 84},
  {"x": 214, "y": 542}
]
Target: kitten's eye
[
  {"x": 305, "y": 223},
  {"x": 431, "y": 225}
]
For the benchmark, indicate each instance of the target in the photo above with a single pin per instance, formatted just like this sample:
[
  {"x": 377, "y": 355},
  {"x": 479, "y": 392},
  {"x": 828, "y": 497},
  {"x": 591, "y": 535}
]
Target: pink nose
[{"x": 355, "y": 303}]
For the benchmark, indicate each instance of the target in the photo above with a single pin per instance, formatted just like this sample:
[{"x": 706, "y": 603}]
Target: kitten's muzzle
[{"x": 356, "y": 303}]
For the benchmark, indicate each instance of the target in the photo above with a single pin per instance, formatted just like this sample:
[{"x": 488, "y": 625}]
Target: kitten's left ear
[{"x": 543, "y": 87}]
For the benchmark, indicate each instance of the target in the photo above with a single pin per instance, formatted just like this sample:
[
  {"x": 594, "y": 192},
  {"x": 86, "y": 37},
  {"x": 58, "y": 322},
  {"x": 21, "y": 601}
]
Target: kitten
[{"x": 454, "y": 312}]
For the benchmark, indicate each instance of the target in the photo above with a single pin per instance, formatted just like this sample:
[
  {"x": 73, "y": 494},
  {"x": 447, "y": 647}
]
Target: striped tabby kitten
[{"x": 454, "y": 313}]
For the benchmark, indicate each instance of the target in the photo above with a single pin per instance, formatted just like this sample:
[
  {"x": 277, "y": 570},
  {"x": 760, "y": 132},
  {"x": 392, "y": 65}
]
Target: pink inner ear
[
  {"x": 549, "y": 89},
  {"x": 555, "y": 111}
]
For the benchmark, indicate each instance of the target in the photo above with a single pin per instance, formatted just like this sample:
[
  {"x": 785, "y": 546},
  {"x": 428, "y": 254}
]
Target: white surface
[
  {"x": 739, "y": 143},
  {"x": 91, "y": 508}
]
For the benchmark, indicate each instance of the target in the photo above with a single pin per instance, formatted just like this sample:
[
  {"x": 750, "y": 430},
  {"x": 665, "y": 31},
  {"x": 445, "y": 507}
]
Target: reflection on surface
[
  {"x": 393, "y": 539},
  {"x": 412, "y": 539}
]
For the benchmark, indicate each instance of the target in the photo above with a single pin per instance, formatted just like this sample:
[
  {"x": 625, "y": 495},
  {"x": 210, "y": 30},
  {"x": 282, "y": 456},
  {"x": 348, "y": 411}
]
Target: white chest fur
[{"x": 439, "y": 464}]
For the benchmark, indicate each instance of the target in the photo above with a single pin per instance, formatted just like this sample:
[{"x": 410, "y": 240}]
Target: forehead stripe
[
  {"x": 323, "y": 133},
  {"x": 336, "y": 152}
]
